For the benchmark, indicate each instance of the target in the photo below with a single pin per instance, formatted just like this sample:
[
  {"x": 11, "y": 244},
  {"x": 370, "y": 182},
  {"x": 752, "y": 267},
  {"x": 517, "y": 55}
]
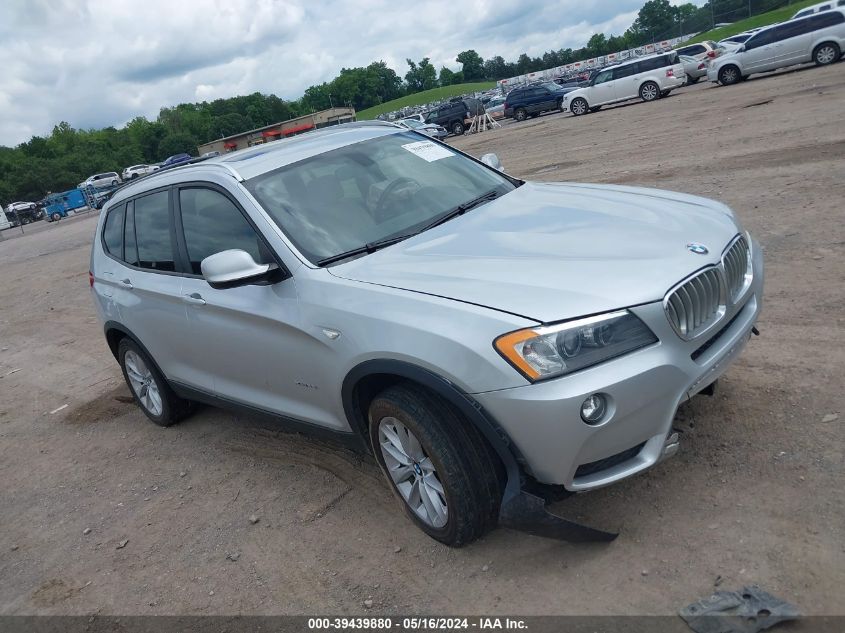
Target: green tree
[
  {"x": 447, "y": 77},
  {"x": 177, "y": 143},
  {"x": 473, "y": 65}
]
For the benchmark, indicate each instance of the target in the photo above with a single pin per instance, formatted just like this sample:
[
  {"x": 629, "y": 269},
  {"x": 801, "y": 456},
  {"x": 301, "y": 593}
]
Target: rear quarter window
[{"x": 113, "y": 232}]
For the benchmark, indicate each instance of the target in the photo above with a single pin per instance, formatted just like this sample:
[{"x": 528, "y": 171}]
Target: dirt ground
[{"x": 103, "y": 512}]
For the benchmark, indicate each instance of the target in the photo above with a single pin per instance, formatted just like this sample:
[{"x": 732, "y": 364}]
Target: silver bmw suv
[{"x": 489, "y": 340}]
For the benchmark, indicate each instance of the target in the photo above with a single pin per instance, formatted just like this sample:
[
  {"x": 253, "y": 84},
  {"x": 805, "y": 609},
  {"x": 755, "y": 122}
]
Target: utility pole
[{"x": 712, "y": 13}]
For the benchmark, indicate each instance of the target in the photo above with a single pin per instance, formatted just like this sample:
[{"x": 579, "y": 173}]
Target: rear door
[
  {"x": 625, "y": 82},
  {"x": 148, "y": 284}
]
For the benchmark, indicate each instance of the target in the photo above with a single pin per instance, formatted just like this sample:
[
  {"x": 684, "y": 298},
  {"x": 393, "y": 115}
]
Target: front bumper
[{"x": 644, "y": 390}]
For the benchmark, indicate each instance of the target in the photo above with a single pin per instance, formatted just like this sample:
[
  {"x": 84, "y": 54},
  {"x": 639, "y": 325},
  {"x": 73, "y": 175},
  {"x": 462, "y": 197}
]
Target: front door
[
  {"x": 249, "y": 339},
  {"x": 604, "y": 89}
]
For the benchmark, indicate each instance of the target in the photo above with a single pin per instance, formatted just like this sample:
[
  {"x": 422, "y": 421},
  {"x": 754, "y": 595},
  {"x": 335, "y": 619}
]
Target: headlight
[{"x": 554, "y": 350}]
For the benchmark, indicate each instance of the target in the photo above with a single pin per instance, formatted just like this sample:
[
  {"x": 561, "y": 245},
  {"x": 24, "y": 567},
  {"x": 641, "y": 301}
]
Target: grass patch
[
  {"x": 421, "y": 98},
  {"x": 756, "y": 21}
]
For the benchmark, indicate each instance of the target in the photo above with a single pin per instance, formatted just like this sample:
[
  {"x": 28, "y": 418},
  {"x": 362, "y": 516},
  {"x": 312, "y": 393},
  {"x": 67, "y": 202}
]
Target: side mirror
[
  {"x": 491, "y": 160},
  {"x": 234, "y": 267}
]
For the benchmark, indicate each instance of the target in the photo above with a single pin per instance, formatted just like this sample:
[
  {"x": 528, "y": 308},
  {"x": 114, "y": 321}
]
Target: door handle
[
  {"x": 194, "y": 298},
  {"x": 126, "y": 284}
]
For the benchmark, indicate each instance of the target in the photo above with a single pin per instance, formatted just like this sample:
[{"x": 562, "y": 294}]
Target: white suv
[
  {"x": 136, "y": 171},
  {"x": 648, "y": 78},
  {"x": 106, "y": 179},
  {"x": 818, "y": 38}
]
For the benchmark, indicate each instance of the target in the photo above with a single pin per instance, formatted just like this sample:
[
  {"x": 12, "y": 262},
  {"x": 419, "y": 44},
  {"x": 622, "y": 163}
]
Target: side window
[
  {"x": 130, "y": 247},
  {"x": 212, "y": 224},
  {"x": 653, "y": 63},
  {"x": 823, "y": 20},
  {"x": 760, "y": 39},
  {"x": 624, "y": 71},
  {"x": 153, "y": 233},
  {"x": 603, "y": 77},
  {"x": 113, "y": 232}
]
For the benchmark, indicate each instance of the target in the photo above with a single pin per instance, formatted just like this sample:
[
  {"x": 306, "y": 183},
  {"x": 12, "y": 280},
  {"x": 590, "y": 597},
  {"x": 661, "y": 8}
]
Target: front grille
[
  {"x": 608, "y": 462},
  {"x": 736, "y": 262},
  {"x": 696, "y": 304}
]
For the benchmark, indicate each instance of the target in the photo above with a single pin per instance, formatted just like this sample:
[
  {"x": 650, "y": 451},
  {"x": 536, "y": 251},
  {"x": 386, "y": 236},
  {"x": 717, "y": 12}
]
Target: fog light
[{"x": 593, "y": 408}]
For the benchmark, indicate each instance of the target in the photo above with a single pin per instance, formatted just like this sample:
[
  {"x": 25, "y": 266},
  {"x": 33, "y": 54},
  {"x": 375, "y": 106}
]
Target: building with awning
[{"x": 284, "y": 129}]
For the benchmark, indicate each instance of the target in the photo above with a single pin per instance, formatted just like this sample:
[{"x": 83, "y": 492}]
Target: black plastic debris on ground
[{"x": 746, "y": 611}]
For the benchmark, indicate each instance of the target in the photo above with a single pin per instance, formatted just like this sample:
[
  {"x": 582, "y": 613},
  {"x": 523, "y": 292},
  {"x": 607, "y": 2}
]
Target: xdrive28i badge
[{"x": 698, "y": 249}]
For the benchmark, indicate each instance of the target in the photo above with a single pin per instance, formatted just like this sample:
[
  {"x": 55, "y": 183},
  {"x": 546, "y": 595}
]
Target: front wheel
[
  {"x": 457, "y": 128},
  {"x": 56, "y": 216},
  {"x": 729, "y": 75},
  {"x": 436, "y": 462},
  {"x": 148, "y": 386},
  {"x": 649, "y": 91},
  {"x": 579, "y": 106},
  {"x": 826, "y": 53},
  {"x": 520, "y": 114}
]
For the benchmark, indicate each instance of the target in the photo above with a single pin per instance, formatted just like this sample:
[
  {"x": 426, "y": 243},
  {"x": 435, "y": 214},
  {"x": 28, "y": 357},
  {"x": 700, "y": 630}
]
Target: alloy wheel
[
  {"x": 650, "y": 92},
  {"x": 143, "y": 382},
  {"x": 729, "y": 75},
  {"x": 413, "y": 473},
  {"x": 579, "y": 107}
]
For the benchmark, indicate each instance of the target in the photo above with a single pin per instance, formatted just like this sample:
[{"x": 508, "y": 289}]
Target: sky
[{"x": 95, "y": 63}]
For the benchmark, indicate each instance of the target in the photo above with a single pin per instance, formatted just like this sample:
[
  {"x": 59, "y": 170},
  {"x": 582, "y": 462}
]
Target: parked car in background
[
  {"x": 496, "y": 107},
  {"x": 136, "y": 171},
  {"x": 548, "y": 336},
  {"x": 176, "y": 159},
  {"x": 19, "y": 213},
  {"x": 416, "y": 117},
  {"x": 694, "y": 68},
  {"x": 453, "y": 116},
  {"x": 211, "y": 154},
  {"x": 700, "y": 50},
  {"x": 106, "y": 179},
  {"x": 817, "y": 8},
  {"x": 648, "y": 78},
  {"x": 429, "y": 129},
  {"x": 740, "y": 38},
  {"x": 534, "y": 99},
  {"x": 818, "y": 38}
]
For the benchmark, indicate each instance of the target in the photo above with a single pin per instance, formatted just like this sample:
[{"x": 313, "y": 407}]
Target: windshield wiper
[
  {"x": 366, "y": 249},
  {"x": 372, "y": 247},
  {"x": 461, "y": 209}
]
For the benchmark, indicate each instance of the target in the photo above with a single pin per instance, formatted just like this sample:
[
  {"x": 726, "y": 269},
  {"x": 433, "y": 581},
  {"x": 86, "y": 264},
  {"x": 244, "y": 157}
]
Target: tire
[
  {"x": 729, "y": 75},
  {"x": 649, "y": 91},
  {"x": 114, "y": 183},
  {"x": 149, "y": 388},
  {"x": 457, "y": 128},
  {"x": 462, "y": 480},
  {"x": 56, "y": 216},
  {"x": 134, "y": 176},
  {"x": 826, "y": 53},
  {"x": 520, "y": 114},
  {"x": 579, "y": 106}
]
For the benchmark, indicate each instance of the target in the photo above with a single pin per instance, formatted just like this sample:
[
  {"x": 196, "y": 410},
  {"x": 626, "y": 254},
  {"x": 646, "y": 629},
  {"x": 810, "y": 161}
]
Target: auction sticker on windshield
[{"x": 428, "y": 151}]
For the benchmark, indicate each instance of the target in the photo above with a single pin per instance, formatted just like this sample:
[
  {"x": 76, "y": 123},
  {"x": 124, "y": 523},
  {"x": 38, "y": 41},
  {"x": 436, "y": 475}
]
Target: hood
[{"x": 551, "y": 252}]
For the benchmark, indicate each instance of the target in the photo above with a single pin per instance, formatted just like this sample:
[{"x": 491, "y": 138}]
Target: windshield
[
  {"x": 370, "y": 191},
  {"x": 550, "y": 85}
]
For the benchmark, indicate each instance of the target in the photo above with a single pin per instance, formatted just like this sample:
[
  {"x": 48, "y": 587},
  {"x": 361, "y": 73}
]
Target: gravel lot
[{"x": 754, "y": 496}]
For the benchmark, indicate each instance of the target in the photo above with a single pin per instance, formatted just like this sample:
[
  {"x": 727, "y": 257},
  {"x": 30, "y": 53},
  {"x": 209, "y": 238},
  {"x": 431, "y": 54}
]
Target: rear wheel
[
  {"x": 114, "y": 183},
  {"x": 56, "y": 216},
  {"x": 826, "y": 53},
  {"x": 579, "y": 106},
  {"x": 520, "y": 114},
  {"x": 729, "y": 75},
  {"x": 649, "y": 91},
  {"x": 148, "y": 386},
  {"x": 436, "y": 462}
]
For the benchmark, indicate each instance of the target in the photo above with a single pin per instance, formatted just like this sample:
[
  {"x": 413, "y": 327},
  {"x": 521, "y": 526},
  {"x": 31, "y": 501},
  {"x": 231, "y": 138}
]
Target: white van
[
  {"x": 818, "y": 38},
  {"x": 817, "y": 8},
  {"x": 648, "y": 78}
]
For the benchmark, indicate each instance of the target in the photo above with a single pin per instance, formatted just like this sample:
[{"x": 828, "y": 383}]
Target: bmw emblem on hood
[{"x": 698, "y": 249}]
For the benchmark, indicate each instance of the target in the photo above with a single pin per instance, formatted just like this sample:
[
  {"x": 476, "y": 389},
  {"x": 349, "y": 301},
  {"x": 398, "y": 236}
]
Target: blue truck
[
  {"x": 57, "y": 205},
  {"x": 60, "y": 205}
]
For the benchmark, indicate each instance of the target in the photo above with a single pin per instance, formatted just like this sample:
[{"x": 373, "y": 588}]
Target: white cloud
[{"x": 102, "y": 62}]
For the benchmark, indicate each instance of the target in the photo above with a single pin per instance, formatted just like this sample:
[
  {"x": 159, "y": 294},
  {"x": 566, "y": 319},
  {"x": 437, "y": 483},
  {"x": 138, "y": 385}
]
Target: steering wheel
[{"x": 389, "y": 191}]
